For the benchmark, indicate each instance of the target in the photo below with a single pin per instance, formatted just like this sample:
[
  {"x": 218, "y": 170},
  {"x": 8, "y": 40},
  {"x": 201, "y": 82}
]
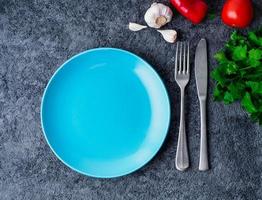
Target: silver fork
[{"x": 182, "y": 73}]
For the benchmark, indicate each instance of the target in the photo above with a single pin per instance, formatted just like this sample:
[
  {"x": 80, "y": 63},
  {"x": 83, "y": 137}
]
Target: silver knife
[{"x": 201, "y": 81}]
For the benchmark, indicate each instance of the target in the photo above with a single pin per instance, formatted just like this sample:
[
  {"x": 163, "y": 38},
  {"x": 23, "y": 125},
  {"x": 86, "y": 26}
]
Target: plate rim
[{"x": 146, "y": 161}]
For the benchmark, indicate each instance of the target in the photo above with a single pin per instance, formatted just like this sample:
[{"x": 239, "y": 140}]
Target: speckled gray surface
[{"x": 37, "y": 36}]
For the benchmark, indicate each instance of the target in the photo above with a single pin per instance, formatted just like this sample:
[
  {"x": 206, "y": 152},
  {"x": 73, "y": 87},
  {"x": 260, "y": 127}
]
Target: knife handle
[
  {"x": 203, "y": 160},
  {"x": 182, "y": 160}
]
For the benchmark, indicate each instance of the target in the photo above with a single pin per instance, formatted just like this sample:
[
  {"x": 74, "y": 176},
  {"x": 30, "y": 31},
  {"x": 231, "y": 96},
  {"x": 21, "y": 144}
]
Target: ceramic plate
[{"x": 105, "y": 112}]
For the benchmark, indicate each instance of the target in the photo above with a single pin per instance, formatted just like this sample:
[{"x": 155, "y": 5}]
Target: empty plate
[{"x": 105, "y": 112}]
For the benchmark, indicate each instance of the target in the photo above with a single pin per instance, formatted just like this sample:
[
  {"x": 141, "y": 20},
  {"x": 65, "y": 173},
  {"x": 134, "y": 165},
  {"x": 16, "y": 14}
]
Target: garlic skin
[
  {"x": 136, "y": 27},
  {"x": 158, "y": 15},
  {"x": 169, "y": 35}
]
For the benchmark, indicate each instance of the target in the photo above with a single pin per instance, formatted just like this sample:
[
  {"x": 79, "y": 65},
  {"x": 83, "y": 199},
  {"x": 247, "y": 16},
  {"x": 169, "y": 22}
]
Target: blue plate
[{"x": 105, "y": 112}]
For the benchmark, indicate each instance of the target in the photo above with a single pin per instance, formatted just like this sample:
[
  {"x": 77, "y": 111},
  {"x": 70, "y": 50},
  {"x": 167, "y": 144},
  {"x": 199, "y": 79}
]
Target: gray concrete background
[{"x": 37, "y": 36}]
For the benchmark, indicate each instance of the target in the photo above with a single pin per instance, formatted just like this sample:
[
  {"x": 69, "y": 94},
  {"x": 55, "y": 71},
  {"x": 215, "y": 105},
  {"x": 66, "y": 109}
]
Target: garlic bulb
[
  {"x": 169, "y": 35},
  {"x": 136, "y": 27},
  {"x": 158, "y": 15}
]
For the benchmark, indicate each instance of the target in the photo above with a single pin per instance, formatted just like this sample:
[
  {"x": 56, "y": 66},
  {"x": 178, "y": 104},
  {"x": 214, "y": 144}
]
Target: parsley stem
[
  {"x": 245, "y": 68},
  {"x": 253, "y": 75}
]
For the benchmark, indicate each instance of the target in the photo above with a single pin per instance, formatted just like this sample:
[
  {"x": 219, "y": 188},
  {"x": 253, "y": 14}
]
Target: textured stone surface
[{"x": 37, "y": 36}]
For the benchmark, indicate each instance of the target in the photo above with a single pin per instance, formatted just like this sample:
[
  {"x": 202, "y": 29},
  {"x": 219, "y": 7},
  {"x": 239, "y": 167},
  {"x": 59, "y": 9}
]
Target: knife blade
[
  {"x": 201, "y": 68},
  {"x": 201, "y": 82}
]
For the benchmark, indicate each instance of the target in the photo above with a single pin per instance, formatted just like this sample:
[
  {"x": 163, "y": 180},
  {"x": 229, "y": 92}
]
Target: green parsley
[
  {"x": 239, "y": 73},
  {"x": 211, "y": 15}
]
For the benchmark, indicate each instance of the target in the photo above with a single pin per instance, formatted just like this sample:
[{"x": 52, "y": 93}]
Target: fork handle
[
  {"x": 203, "y": 159},
  {"x": 182, "y": 161}
]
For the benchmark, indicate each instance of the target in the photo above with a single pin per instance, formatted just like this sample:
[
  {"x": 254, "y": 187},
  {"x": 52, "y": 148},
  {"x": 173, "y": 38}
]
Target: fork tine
[
  {"x": 176, "y": 67},
  {"x": 180, "y": 58},
  {"x": 188, "y": 65},
  {"x": 184, "y": 58}
]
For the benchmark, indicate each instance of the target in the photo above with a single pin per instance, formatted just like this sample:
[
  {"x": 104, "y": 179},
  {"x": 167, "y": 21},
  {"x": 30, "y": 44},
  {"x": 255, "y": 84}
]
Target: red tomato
[{"x": 237, "y": 13}]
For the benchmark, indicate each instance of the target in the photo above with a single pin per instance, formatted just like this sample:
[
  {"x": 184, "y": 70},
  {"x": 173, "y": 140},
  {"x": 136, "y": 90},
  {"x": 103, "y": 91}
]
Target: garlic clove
[
  {"x": 158, "y": 15},
  {"x": 136, "y": 27},
  {"x": 169, "y": 35}
]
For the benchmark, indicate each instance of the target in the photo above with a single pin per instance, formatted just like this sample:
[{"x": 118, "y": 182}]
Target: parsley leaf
[
  {"x": 254, "y": 57},
  {"x": 254, "y": 38},
  {"x": 218, "y": 93},
  {"x": 218, "y": 75},
  {"x": 236, "y": 90},
  {"x": 239, "y": 53},
  {"x": 248, "y": 104},
  {"x": 228, "y": 98},
  {"x": 231, "y": 68},
  {"x": 256, "y": 87},
  {"x": 221, "y": 57},
  {"x": 211, "y": 16}
]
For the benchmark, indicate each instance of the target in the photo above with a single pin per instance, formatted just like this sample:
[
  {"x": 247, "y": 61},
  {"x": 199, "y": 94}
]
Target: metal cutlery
[
  {"x": 182, "y": 74},
  {"x": 201, "y": 81}
]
